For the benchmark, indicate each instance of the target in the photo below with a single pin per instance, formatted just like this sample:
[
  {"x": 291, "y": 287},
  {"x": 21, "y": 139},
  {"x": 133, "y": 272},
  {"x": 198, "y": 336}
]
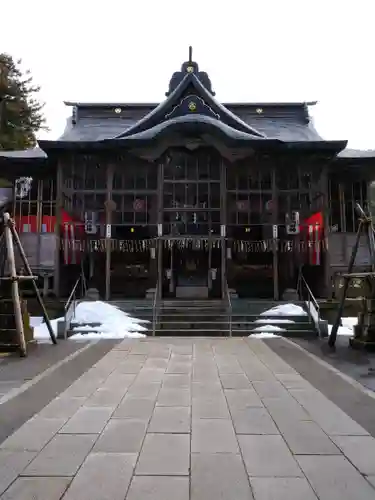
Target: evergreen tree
[{"x": 20, "y": 112}]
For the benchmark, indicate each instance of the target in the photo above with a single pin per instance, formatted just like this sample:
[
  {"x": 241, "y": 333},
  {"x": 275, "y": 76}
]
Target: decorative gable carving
[{"x": 192, "y": 104}]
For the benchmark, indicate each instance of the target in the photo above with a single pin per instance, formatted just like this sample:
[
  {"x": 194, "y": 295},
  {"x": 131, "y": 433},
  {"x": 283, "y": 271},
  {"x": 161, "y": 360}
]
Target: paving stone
[
  {"x": 205, "y": 375},
  {"x": 144, "y": 389},
  {"x": 293, "y": 381},
  {"x": 103, "y": 476},
  {"x": 235, "y": 381},
  {"x": 213, "y": 436},
  {"x": 129, "y": 366},
  {"x": 122, "y": 436},
  {"x": 62, "y": 407},
  {"x": 179, "y": 367},
  {"x": 241, "y": 399},
  {"x": 282, "y": 488},
  {"x": 360, "y": 450},
  {"x": 82, "y": 389},
  {"x": 106, "y": 397},
  {"x": 174, "y": 397},
  {"x": 168, "y": 419},
  {"x": 270, "y": 389},
  {"x": 253, "y": 421},
  {"x": 37, "y": 488},
  {"x": 119, "y": 381},
  {"x": 156, "y": 363},
  {"x": 334, "y": 478},
  {"x": 219, "y": 476},
  {"x": 34, "y": 434},
  {"x": 164, "y": 454},
  {"x": 307, "y": 438},
  {"x": 326, "y": 414},
  {"x": 12, "y": 463},
  {"x": 226, "y": 366},
  {"x": 135, "y": 407},
  {"x": 150, "y": 375},
  {"x": 214, "y": 407},
  {"x": 62, "y": 456},
  {"x": 181, "y": 358},
  {"x": 158, "y": 488},
  {"x": 285, "y": 409},
  {"x": 87, "y": 420},
  {"x": 176, "y": 380},
  {"x": 268, "y": 456},
  {"x": 206, "y": 389}
]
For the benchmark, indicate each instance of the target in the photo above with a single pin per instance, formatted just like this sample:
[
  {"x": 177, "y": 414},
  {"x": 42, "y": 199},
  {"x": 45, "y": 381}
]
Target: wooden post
[
  {"x": 223, "y": 228},
  {"x": 15, "y": 287},
  {"x": 29, "y": 272},
  {"x": 275, "y": 253},
  {"x": 58, "y": 222},
  {"x": 160, "y": 194},
  {"x": 108, "y": 231},
  {"x": 327, "y": 258}
]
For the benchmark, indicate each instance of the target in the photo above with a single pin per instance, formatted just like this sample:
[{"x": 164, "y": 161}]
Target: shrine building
[{"x": 191, "y": 197}]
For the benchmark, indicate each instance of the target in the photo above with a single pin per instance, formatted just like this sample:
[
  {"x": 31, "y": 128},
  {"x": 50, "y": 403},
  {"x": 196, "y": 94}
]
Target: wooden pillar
[
  {"x": 108, "y": 231},
  {"x": 223, "y": 228},
  {"x": 275, "y": 217},
  {"x": 326, "y": 227},
  {"x": 159, "y": 222},
  {"x": 58, "y": 222}
]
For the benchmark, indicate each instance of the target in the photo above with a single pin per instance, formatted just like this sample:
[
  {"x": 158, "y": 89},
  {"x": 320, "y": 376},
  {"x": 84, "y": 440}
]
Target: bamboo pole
[{"x": 15, "y": 287}]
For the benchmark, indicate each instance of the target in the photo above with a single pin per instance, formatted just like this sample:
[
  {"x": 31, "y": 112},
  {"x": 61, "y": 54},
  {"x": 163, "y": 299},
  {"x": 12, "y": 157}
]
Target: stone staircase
[{"x": 213, "y": 317}]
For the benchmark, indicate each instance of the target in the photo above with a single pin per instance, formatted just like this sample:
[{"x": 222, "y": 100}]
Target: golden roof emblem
[
  {"x": 190, "y": 69},
  {"x": 192, "y": 106}
]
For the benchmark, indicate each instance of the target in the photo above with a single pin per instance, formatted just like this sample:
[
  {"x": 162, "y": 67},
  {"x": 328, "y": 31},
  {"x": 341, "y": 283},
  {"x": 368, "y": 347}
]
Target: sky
[{"x": 253, "y": 51}]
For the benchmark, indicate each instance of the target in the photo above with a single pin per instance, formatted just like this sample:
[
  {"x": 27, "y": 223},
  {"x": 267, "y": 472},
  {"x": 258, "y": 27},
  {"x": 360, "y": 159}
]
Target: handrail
[
  {"x": 154, "y": 309},
  {"x": 229, "y": 307},
  {"x": 72, "y": 300},
  {"x": 310, "y": 298}
]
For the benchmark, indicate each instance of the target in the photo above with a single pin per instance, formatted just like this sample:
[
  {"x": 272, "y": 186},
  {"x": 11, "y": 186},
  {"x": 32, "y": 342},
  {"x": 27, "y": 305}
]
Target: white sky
[{"x": 263, "y": 50}]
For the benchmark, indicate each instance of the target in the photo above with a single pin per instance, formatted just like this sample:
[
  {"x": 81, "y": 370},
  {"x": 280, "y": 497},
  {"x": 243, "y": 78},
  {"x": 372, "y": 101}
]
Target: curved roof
[
  {"x": 195, "y": 124},
  {"x": 190, "y": 106},
  {"x": 190, "y": 92}
]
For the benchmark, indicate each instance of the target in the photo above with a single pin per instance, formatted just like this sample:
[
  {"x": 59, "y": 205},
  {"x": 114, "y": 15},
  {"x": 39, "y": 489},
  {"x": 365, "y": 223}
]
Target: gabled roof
[
  {"x": 191, "y": 108},
  {"x": 191, "y": 98}
]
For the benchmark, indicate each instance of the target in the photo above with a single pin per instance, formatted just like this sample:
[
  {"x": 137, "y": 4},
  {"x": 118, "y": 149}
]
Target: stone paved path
[{"x": 181, "y": 419}]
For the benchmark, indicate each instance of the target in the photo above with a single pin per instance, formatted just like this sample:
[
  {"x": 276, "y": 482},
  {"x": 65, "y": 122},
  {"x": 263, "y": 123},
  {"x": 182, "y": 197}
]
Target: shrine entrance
[{"x": 191, "y": 268}]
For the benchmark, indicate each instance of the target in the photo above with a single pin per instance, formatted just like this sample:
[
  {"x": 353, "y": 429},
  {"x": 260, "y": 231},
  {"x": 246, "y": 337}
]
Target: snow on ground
[
  {"x": 268, "y": 328},
  {"x": 285, "y": 310},
  {"x": 266, "y": 331},
  {"x": 347, "y": 328},
  {"x": 264, "y": 335},
  {"x": 114, "y": 323},
  {"x": 269, "y": 321}
]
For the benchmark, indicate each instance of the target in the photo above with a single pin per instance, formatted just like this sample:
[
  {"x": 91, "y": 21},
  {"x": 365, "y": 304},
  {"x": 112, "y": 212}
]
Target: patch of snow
[
  {"x": 269, "y": 321},
  {"x": 36, "y": 321},
  {"x": 269, "y": 328},
  {"x": 349, "y": 322},
  {"x": 114, "y": 323},
  {"x": 285, "y": 310},
  {"x": 264, "y": 335},
  {"x": 347, "y": 328}
]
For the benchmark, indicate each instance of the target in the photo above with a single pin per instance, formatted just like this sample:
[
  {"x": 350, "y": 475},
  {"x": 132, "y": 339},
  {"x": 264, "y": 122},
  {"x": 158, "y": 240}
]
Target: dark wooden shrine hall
[{"x": 190, "y": 196}]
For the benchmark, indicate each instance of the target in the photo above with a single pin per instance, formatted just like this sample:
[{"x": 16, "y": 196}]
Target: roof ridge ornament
[{"x": 189, "y": 66}]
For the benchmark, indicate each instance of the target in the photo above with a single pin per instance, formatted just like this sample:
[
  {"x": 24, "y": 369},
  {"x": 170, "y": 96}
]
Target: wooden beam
[
  {"x": 108, "y": 230},
  {"x": 275, "y": 253},
  {"x": 58, "y": 223}
]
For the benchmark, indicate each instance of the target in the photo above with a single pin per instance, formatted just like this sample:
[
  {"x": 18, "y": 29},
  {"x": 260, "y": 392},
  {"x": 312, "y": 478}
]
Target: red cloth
[
  {"x": 73, "y": 233},
  {"x": 313, "y": 228}
]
